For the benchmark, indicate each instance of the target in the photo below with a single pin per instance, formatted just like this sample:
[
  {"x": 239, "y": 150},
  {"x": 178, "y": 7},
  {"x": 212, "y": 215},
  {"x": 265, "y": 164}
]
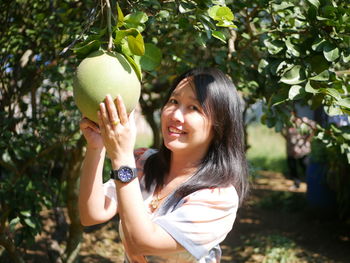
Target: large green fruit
[{"x": 103, "y": 73}]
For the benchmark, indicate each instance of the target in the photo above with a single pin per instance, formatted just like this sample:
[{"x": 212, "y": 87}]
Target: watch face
[{"x": 125, "y": 174}]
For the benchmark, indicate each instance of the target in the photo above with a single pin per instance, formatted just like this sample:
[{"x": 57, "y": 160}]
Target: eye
[
  {"x": 195, "y": 108},
  {"x": 172, "y": 101}
]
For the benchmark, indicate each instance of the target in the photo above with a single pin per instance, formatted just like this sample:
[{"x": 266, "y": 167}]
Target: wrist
[
  {"x": 95, "y": 148},
  {"x": 125, "y": 161}
]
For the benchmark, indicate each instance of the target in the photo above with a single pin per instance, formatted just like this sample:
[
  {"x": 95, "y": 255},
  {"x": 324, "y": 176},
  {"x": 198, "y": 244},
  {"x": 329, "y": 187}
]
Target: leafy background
[{"x": 277, "y": 52}]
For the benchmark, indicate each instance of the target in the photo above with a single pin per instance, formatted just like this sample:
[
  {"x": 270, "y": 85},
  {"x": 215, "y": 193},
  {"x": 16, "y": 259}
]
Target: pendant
[{"x": 154, "y": 203}]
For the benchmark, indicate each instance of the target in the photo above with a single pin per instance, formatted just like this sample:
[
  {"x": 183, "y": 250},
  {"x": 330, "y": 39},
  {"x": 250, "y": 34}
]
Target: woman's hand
[
  {"x": 118, "y": 131},
  {"x": 92, "y": 133}
]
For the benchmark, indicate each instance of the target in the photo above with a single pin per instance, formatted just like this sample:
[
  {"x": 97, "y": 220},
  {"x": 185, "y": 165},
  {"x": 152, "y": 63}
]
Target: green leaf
[
  {"x": 136, "y": 18},
  {"x": 330, "y": 52},
  {"x": 345, "y": 102},
  {"x": 262, "y": 65},
  {"x": 13, "y": 223},
  {"x": 135, "y": 66},
  {"x": 294, "y": 91},
  {"x": 226, "y": 23},
  {"x": 219, "y": 35},
  {"x": 25, "y": 213},
  {"x": 315, "y": 3},
  {"x": 83, "y": 51},
  {"x": 333, "y": 110},
  {"x": 346, "y": 56},
  {"x": 120, "y": 21},
  {"x": 121, "y": 34},
  {"x": 223, "y": 14},
  {"x": 292, "y": 48},
  {"x": 318, "y": 44},
  {"x": 185, "y": 7},
  {"x": 136, "y": 45},
  {"x": 296, "y": 75},
  {"x": 282, "y": 6},
  {"x": 152, "y": 57},
  {"x": 124, "y": 48},
  {"x": 310, "y": 89},
  {"x": 28, "y": 221},
  {"x": 323, "y": 76},
  {"x": 332, "y": 92},
  {"x": 136, "y": 21},
  {"x": 274, "y": 46}
]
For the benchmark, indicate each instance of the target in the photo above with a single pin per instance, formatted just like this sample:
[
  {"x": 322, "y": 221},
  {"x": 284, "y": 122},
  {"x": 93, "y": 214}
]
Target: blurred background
[{"x": 290, "y": 63}]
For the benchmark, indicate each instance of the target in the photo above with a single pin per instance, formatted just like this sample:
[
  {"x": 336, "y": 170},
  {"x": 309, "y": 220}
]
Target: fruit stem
[{"x": 109, "y": 26}]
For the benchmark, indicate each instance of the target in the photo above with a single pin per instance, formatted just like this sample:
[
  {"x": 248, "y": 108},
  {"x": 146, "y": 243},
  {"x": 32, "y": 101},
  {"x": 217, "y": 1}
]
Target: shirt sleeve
[{"x": 203, "y": 219}]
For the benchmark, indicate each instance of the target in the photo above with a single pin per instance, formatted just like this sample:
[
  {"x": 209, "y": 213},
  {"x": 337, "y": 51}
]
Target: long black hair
[{"x": 224, "y": 163}]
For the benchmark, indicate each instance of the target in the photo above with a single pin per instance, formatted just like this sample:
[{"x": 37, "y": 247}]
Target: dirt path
[{"x": 278, "y": 220}]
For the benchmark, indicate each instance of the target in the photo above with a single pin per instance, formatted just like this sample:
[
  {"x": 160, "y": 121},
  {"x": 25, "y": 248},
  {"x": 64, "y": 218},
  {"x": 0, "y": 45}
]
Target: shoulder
[
  {"x": 141, "y": 154},
  {"x": 224, "y": 197}
]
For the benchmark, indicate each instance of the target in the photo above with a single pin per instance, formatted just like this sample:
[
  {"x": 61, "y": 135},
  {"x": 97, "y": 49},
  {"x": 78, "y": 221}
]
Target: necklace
[{"x": 156, "y": 201}]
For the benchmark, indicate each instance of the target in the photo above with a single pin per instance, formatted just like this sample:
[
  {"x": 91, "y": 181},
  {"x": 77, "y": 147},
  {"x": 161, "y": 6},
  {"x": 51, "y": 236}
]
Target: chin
[{"x": 174, "y": 146}]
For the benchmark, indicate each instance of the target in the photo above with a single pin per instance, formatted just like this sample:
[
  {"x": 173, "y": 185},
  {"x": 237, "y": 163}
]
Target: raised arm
[
  {"x": 143, "y": 237},
  {"x": 94, "y": 206}
]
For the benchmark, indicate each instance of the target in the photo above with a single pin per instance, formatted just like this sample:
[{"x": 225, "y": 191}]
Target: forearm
[
  {"x": 142, "y": 235},
  {"x": 92, "y": 201}
]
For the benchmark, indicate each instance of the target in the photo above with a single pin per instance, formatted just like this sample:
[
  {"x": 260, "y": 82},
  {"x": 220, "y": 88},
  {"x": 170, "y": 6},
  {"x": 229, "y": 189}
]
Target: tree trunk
[
  {"x": 10, "y": 249},
  {"x": 75, "y": 227}
]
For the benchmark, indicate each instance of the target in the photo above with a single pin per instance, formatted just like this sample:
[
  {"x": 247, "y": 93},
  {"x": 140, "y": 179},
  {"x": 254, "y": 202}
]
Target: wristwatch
[{"x": 124, "y": 174}]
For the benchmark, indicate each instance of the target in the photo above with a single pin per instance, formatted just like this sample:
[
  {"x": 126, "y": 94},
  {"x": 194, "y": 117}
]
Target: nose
[{"x": 178, "y": 115}]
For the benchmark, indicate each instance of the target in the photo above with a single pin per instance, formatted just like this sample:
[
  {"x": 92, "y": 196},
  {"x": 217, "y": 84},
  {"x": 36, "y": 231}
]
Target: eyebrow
[{"x": 176, "y": 94}]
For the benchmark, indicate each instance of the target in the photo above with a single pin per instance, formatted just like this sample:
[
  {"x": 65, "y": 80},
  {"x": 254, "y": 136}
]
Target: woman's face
[{"x": 185, "y": 126}]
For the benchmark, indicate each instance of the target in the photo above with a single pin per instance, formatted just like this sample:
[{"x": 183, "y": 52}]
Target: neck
[{"x": 182, "y": 166}]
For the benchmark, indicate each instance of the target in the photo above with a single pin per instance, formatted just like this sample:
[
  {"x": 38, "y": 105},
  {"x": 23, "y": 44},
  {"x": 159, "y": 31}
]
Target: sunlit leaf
[
  {"x": 345, "y": 102},
  {"x": 136, "y": 45},
  {"x": 219, "y": 35},
  {"x": 294, "y": 91},
  {"x": 315, "y": 3},
  {"x": 152, "y": 57},
  {"x": 135, "y": 66},
  {"x": 220, "y": 13},
  {"x": 83, "y": 51},
  {"x": 25, "y": 213},
  {"x": 331, "y": 52},
  {"x": 318, "y": 44},
  {"x": 309, "y": 88},
  {"x": 136, "y": 18},
  {"x": 28, "y": 221},
  {"x": 323, "y": 76},
  {"x": 293, "y": 76},
  {"x": 120, "y": 21}
]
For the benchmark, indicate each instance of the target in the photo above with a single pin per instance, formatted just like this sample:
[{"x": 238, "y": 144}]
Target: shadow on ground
[{"x": 276, "y": 225}]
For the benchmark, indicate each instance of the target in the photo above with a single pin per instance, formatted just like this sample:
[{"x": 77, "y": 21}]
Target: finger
[
  {"x": 112, "y": 111},
  {"x": 86, "y": 123},
  {"x": 123, "y": 115},
  {"x": 105, "y": 123}
]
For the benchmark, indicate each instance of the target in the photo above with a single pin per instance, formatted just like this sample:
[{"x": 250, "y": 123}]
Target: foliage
[
  {"x": 39, "y": 123},
  {"x": 304, "y": 51}
]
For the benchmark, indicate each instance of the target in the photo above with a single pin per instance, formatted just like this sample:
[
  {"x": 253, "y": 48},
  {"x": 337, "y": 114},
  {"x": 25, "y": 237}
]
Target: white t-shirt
[{"x": 199, "y": 221}]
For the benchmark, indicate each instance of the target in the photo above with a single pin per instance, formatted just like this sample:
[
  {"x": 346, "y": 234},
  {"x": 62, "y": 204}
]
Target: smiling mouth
[{"x": 176, "y": 131}]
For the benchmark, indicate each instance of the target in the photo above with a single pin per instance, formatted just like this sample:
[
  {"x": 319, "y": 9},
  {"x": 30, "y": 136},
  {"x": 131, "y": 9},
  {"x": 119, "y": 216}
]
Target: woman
[{"x": 184, "y": 199}]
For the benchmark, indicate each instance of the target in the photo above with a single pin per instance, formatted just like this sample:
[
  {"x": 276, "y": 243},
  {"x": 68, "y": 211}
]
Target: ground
[{"x": 274, "y": 225}]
